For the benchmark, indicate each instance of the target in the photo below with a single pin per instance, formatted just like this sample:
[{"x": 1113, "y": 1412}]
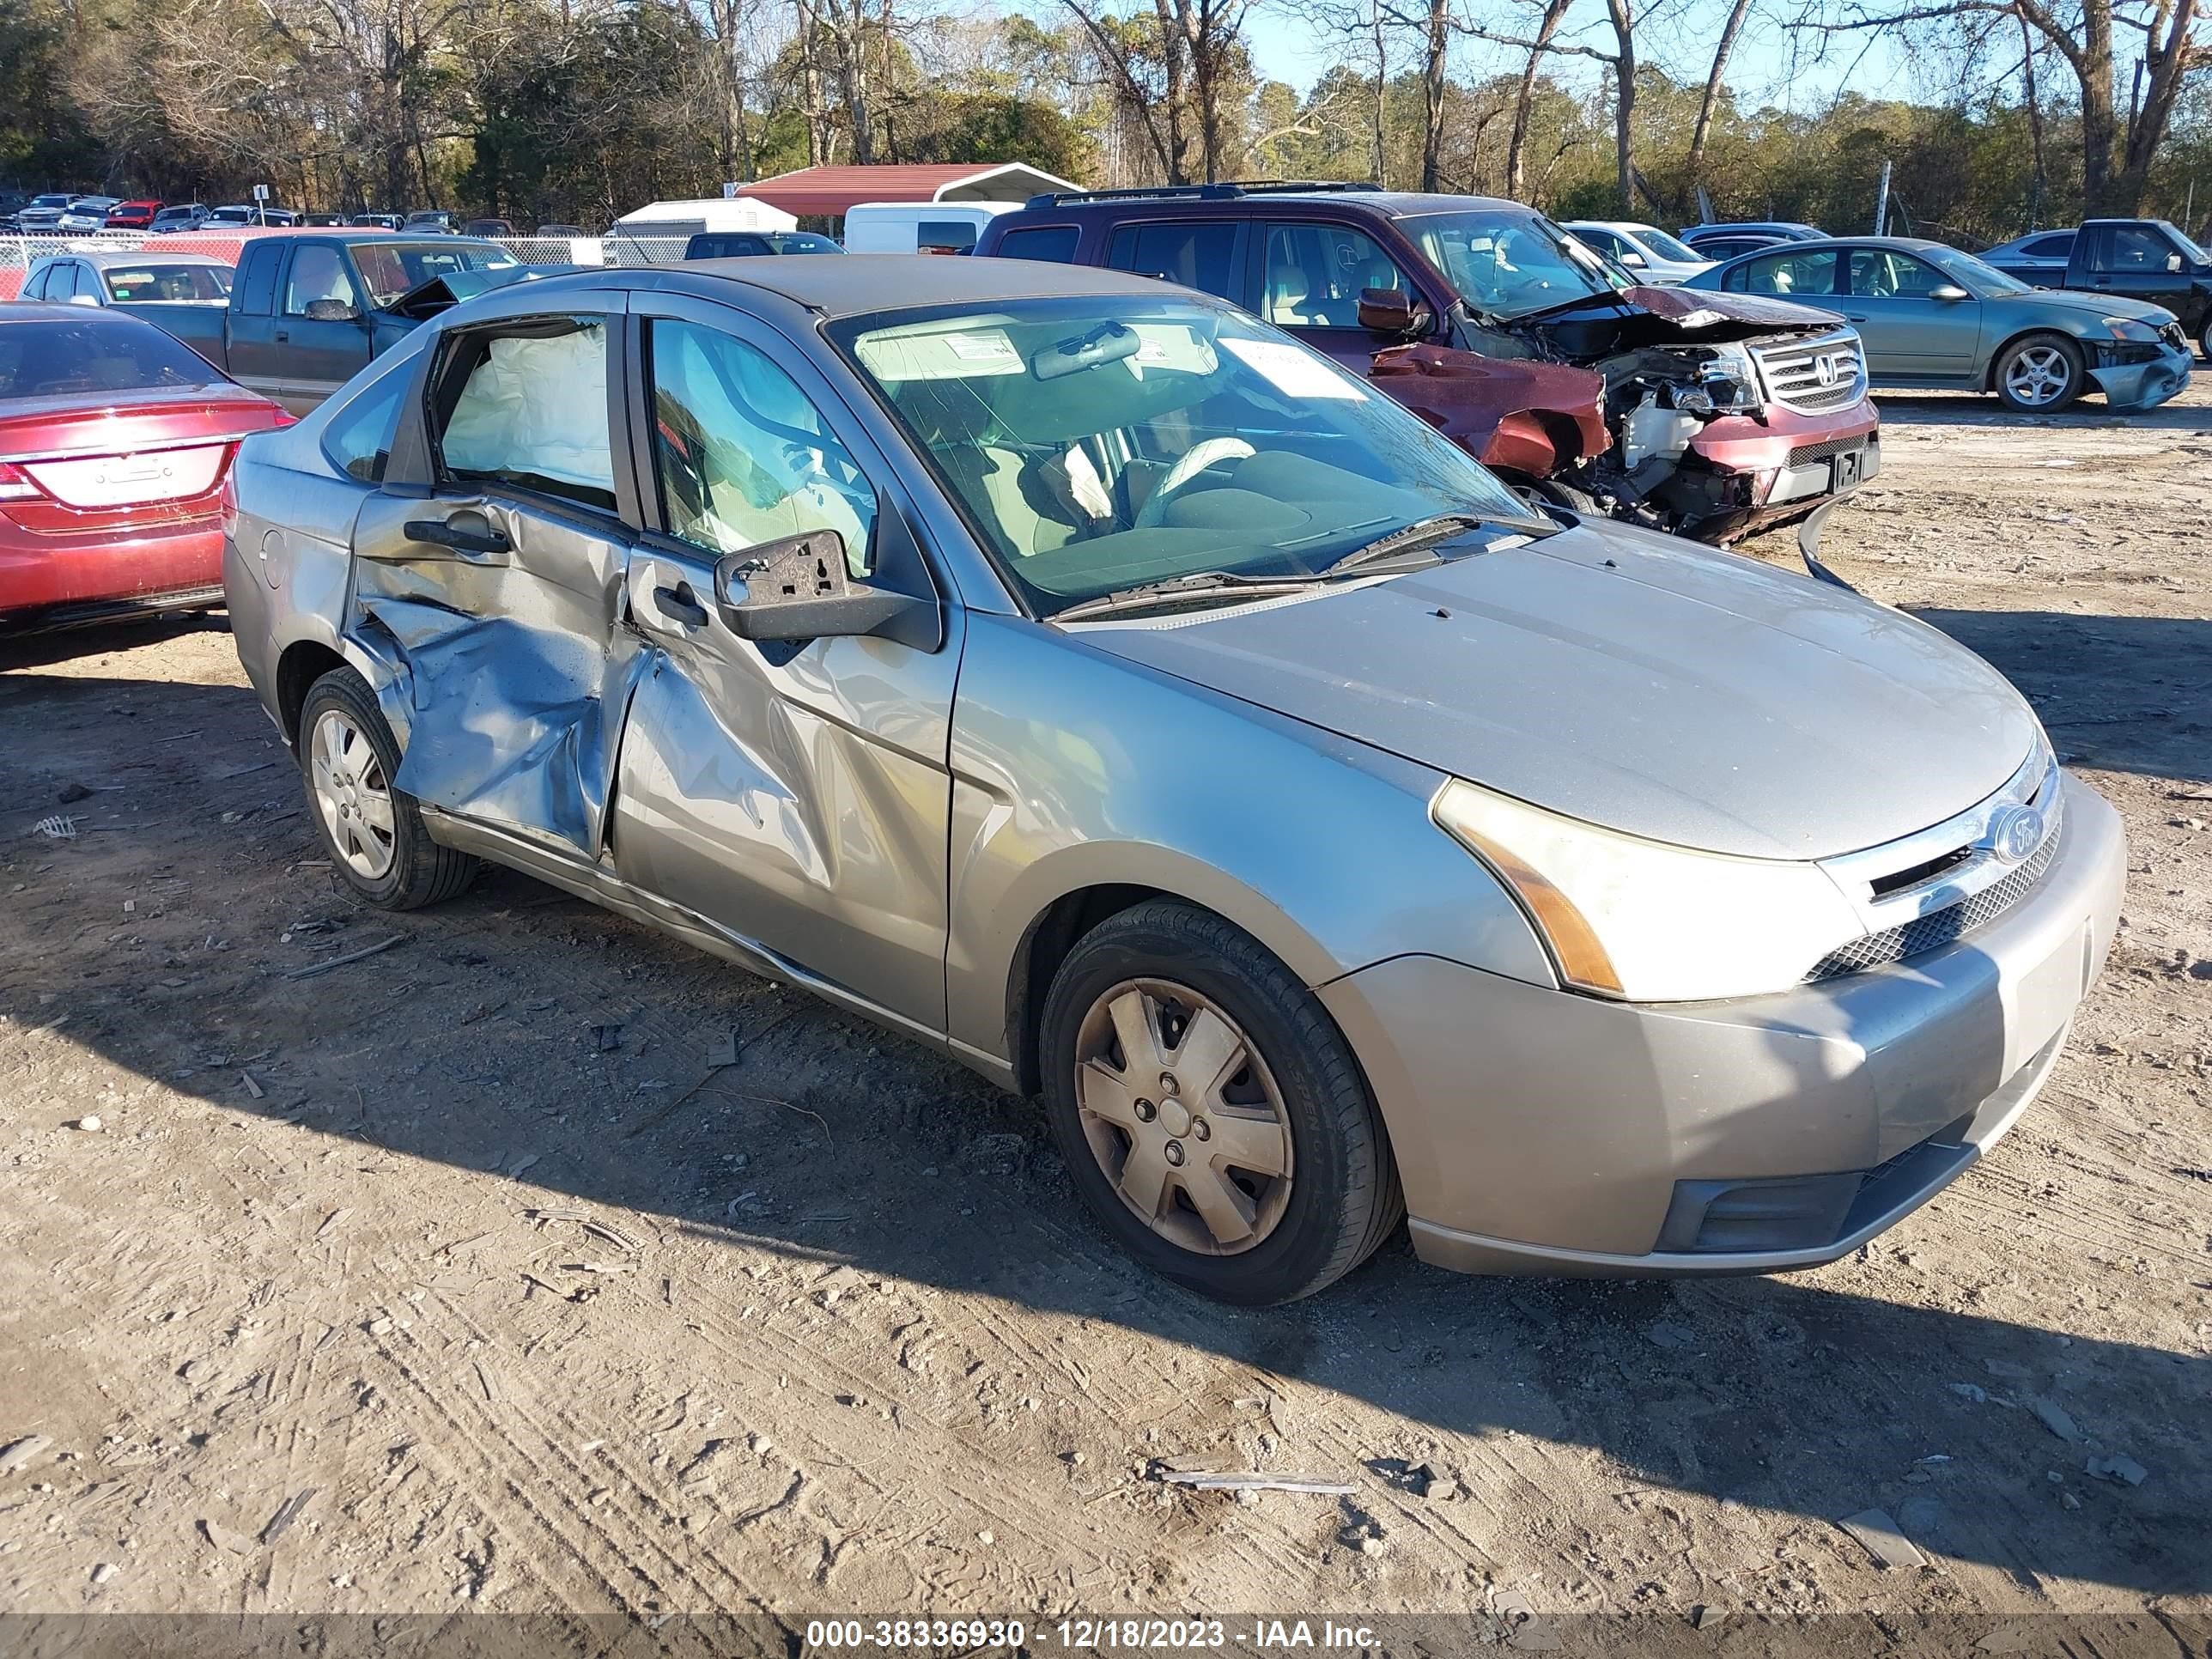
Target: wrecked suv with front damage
[{"x": 1708, "y": 416}]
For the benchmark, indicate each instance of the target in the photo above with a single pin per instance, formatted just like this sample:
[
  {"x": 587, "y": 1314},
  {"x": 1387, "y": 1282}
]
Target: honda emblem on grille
[
  {"x": 1824, "y": 368},
  {"x": 2014, "y": 833}
]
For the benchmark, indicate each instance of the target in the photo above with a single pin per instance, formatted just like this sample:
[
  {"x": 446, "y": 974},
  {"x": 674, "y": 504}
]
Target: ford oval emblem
[{"x": 2015, "y": 832}]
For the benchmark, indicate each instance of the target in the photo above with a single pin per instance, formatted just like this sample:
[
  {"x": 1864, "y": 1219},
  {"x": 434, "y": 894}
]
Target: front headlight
[
  {"x": 1645, "y": 921},
  {"x": 2130, "y": 328}
]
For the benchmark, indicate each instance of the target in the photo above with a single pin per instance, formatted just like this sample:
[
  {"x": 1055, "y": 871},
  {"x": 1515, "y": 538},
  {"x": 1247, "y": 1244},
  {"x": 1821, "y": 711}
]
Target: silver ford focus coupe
[{"x": 1077, "y": 675}]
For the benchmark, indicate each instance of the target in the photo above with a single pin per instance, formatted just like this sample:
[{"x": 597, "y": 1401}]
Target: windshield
[
  {"x": 170, "y": 215},
  {"x": 1667, "y": 247},
  {"x": 51, "y": 201},
  {"x": 168, "y": 283},
  {"x": 1982, "y": 278},
  {"x": 393, "y": 269},
  {"x": 1508, "y": 262},
  {"x": 801, "y": 242},
  {"x": 1101, "y": 444},
  {"x": 94, "y": 353}
]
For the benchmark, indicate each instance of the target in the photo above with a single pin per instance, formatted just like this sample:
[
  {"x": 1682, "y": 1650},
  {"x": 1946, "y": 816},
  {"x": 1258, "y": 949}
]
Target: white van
[{"x": 919, "y": 227}]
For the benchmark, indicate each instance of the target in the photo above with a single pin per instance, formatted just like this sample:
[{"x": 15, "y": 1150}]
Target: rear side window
[
  {"x": 256, "y": 278},
  {"x": 710, "y": 246},
  {"x": 96, "y": 354},
  {"x": 358, "y": 438},
  {"x": 1200, "y": 254},
  {"x": 945, "y": 236},
  {"x": 531, "y": 412},
  {"x": 1788, "y": 274},
  {"x": 1054, "y": 244},
  {"x": 2049, "y": 248}
]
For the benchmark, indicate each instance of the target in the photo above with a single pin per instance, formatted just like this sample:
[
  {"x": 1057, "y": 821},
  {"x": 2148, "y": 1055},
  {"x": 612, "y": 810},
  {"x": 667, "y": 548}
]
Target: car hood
[
  {"x": 1632, "y": 681},
  {"x": 2094, "y": 304}
]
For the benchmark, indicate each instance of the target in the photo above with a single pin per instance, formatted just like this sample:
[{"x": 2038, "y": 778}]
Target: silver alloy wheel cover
[
  {"x": 1156, "y": 1145},
  {"x": 352, "y": 794},
  {"x": 2037, "y": 374}
]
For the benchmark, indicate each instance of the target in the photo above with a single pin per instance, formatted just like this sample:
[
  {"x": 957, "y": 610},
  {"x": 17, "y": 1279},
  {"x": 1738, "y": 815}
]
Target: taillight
[
  {"x": 15, "y": 484},
  {"x": 229, "y": 500},
  {"x": 284, "y": 417}
]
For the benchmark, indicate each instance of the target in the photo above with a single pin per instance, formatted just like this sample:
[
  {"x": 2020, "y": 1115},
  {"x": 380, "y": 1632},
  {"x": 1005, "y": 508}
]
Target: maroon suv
[{"x": 1708, "y": 414}]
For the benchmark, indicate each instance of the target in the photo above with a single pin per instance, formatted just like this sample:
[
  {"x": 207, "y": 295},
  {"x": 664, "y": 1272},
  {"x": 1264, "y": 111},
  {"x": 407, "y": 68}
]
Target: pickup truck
[
  {"x": 307, "y": 311},
  {"x": 2147, "y": 259}
]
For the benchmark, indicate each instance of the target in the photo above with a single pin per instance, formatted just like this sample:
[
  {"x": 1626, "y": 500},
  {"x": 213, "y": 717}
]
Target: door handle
[
  {"x": 440, "y": 533},
  {"x": 1854, "y": 317},
  {"x": 680, "y": 604},
  {"x": 283, "y": 338}
]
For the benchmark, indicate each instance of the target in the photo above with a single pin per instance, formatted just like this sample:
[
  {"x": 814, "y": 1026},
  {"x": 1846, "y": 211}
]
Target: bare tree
[
  {"x": 2115, "y": 163},
  {"x": 1722, "y": 49}
]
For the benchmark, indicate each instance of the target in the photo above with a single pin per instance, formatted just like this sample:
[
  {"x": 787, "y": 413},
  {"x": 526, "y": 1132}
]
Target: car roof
[
  {"x": 863, "y": 282},
  {"x": 46, "y": 311},
  {"x": 105, "y": 260}
]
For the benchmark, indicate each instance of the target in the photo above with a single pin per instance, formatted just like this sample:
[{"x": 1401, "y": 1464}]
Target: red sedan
[
  {"x": 132, "y": 216},
  {"x": 115, "y": 440}
]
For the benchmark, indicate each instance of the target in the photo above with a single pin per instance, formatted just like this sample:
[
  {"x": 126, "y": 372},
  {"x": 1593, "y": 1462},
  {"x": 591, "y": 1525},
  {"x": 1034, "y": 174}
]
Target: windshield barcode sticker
[{"x": 1295, "y": 372}]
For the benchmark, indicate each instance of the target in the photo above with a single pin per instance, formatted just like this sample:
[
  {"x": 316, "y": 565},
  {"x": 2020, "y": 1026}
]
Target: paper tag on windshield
[
  {"x": 982, "y": 347},
  {"x": 1295, "y": 372}
]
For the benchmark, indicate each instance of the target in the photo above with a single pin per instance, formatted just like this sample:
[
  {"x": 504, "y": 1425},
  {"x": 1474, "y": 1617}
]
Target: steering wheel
[{"x": 1193, "y": 461}]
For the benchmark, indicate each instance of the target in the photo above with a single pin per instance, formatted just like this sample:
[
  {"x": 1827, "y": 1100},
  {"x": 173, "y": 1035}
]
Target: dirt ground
[{"x": 409, "y": 1287}]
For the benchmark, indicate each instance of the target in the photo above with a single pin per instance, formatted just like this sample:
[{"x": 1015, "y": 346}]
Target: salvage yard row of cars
[{"x": 1008, "y": 650}]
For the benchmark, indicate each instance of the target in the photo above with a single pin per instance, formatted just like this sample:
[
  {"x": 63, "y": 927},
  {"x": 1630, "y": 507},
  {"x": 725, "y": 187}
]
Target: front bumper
[
  {"x": 2136, "y": 386},
  {"x": 1760, "y": 472},
  {"x": 1541, "y": 1132}
]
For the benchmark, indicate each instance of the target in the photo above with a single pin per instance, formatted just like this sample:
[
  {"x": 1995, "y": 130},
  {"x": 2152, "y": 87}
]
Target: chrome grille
[
  {"x": 1940, "y": 927},
  {"x": 1795, "y": 376}
]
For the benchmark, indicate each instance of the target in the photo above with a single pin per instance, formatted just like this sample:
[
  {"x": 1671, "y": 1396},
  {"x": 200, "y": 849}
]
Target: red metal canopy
[{"x": 829, "y": 192}]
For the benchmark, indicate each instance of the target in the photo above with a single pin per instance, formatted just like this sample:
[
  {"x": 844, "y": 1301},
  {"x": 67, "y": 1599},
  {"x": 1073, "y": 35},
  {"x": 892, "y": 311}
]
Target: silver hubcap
[
  {"x": 1184, "y": 1116},
  {"x": 2037, "y": 374},
  {"x": 352, "y": 793}
]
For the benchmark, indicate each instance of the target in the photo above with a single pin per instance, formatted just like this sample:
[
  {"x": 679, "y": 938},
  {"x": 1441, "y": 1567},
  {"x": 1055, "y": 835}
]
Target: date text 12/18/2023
[{"x": 1100, "y": 1635}]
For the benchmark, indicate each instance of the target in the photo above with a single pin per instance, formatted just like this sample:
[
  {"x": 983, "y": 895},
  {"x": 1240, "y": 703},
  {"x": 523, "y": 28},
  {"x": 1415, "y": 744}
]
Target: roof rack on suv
[{"x": 1214, "y": 193}]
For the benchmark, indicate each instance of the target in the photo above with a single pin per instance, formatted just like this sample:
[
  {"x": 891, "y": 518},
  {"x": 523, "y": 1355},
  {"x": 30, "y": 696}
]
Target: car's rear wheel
[
  {"x": 1212, "y": 1116},
  {"x": 372, "y": 828},
  {"x": 2039, "y": 373},
  {"x": 2204, "y": 338}
]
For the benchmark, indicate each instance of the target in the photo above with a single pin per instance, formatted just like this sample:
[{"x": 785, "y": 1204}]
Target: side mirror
[
  {"x": 332, "y": 311},
  {"x": 1394, "y": 311},
  {"x": 1949, "y": 293},
  {"x": 2173, "y": 262},
  {"x": 84, "y": 298},
  {"x": 797, "y": 587},
  {"x": 1634, "y": 260}
]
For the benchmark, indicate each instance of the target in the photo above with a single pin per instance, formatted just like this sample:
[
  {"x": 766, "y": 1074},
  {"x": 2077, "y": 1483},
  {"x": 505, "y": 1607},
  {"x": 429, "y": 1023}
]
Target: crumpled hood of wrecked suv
[{"x": 1629, "y": 680}]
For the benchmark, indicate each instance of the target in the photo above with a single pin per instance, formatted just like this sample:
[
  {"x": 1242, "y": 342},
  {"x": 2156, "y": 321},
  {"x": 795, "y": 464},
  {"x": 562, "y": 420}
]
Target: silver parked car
[
  {"x": 1929, "y": 315},
  {"x": 1073, "y": 673}
]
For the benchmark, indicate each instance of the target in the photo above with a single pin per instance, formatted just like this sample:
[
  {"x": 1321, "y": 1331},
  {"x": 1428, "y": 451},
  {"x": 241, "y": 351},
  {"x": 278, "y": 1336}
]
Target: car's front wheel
[
  {"x": 2039, "y": 373},
  {"x": 372, "y": 829},
  {"x": 2204, "y": 338},
  {"x": 1212, "y": 1116}
]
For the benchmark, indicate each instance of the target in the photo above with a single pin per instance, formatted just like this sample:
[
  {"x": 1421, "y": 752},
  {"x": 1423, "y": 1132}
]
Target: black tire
[
  {"x": 2067, "y": 354},
  {"x": 422, "y": 872},
  {"x": 2204, "y": 338},
  {"x": 1345, "y": 1198},
  {"x": 1542, "y": 493}
]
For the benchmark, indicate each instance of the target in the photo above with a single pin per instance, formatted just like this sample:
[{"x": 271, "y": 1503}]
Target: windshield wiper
[
  {"x": 1204, "y": 581},
  {"x": 1405, "y": 540}
]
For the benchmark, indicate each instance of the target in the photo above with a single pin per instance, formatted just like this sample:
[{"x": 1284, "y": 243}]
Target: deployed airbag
[{"x": 538, "y": 406}]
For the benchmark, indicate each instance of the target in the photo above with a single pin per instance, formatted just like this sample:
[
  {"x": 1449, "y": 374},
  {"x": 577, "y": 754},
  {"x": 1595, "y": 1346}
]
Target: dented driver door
[
  {"x": 794, "y": 793},
  {"x": 493, "y": 581}
]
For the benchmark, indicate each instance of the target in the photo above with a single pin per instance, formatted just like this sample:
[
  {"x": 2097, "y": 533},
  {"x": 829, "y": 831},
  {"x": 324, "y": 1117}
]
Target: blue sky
[{"x": 1761, "y": 70}]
